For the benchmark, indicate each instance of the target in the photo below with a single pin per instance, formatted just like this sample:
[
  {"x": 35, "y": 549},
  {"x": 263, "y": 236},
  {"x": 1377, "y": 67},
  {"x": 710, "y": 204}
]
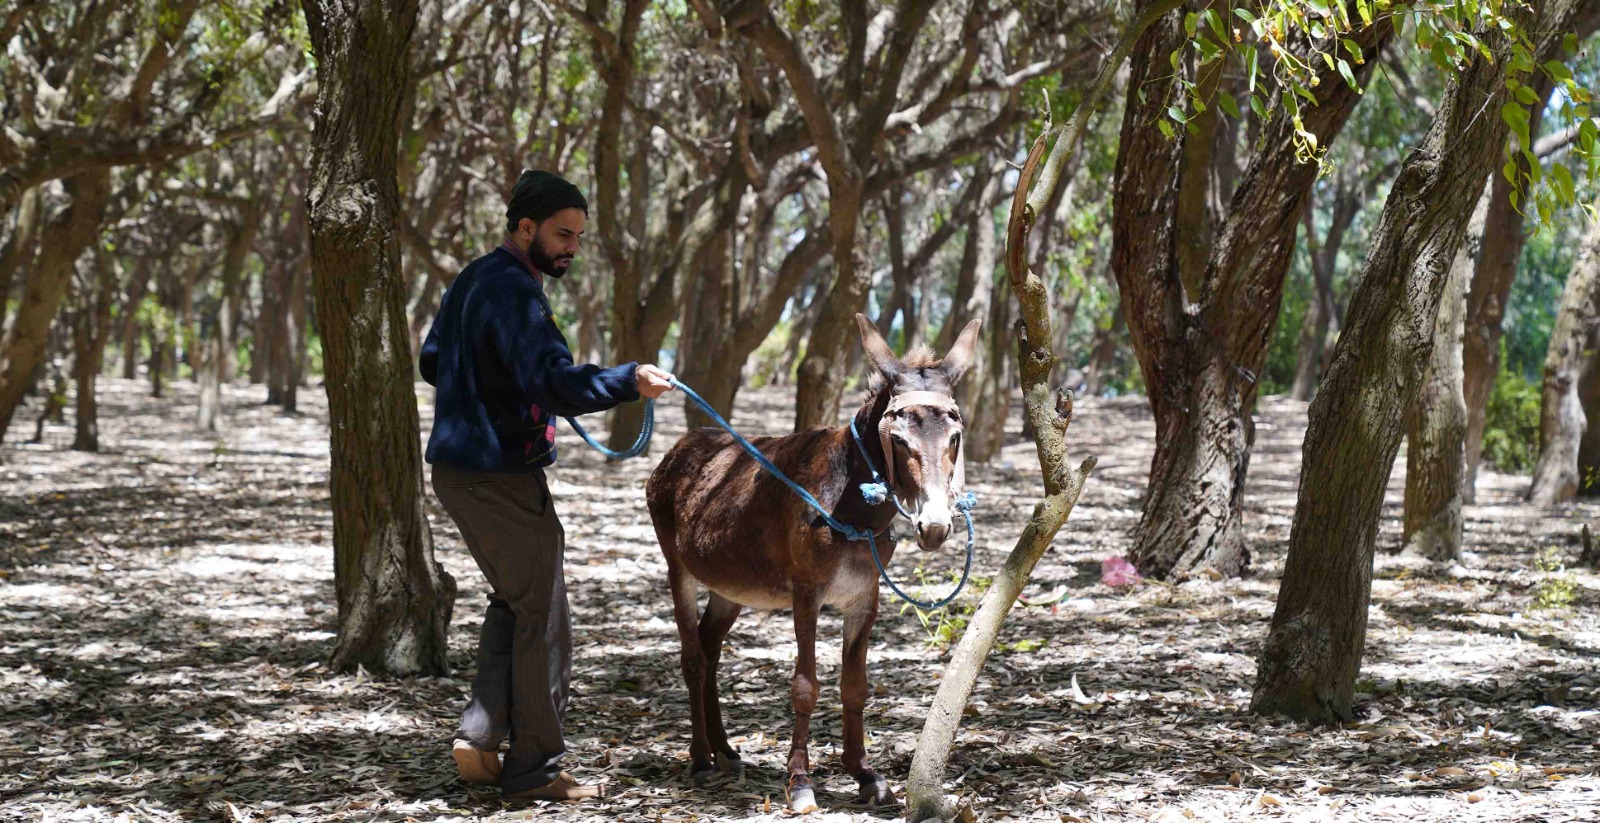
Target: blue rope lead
[
  {"x": 646, "y": 431},
  {"x": 869, "y": 490}
]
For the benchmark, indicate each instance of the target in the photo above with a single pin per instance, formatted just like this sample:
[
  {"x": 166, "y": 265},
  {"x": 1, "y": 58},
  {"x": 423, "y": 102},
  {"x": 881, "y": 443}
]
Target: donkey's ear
[
  {"x": 959, "y": 359},
  {"x": 877, "y": 350}
]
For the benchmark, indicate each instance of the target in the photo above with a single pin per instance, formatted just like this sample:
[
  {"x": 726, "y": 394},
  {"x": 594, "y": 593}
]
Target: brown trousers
[{"x": 525, "y": 647}]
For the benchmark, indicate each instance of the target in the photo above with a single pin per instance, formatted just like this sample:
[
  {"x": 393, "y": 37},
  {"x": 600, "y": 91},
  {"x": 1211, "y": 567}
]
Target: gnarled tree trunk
[
  {"x": 1201, "y": 344},
  {"x": 394, "y": 600}
]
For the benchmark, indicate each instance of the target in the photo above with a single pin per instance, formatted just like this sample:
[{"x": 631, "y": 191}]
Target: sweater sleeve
[{"x": 536, "y": 353}]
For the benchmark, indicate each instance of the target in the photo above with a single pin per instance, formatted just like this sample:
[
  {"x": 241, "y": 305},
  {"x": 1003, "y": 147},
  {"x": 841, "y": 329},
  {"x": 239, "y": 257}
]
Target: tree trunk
[
  {"x": 1200, "y": 360},
  {"x": 990, "y": 387},
  {"x": 61, "y": 241},
  {"x": 1311, "y": 353},
  {"x": 1504, "y": 236},
  {"x": 1308, "y": 666},
  {"x": 1436, "y": 422},
  {"x": 394, "y": 599},
  {"x": 1062, "y": 485},
  {"x": 132, "y": 312},
  {"x": 21, "y": 246},
  {"x": 89, "y": 335},
  {"x": 1562, "y": 420}
]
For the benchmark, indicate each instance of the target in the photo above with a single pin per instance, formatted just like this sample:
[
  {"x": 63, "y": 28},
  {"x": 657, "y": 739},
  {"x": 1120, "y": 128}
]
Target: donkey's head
[{"x": 921, "y": 428}]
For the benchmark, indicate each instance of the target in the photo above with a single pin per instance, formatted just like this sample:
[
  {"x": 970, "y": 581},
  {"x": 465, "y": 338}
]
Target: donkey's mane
[{"x": 920, "y": 357}]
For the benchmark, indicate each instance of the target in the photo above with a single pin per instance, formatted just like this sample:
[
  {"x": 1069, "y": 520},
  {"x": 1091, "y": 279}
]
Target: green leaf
[
  {"x": 1165, "y": 127},
  {"x": 1561, "y": 180},
  {"x": 1354, "y": 50},
  {"x": 1215, "y": 21},
  {"x": 1252, "y": 59},
  {"x": 1570, "y": 42},
  {"x": 1228, "y": 104},
  {"x": 1441, "y": 56},
  {"x": 1244, "y": 14},
  {"x": 1508, "y": 171},
  {"x": 1177, "y": 114},
  {"x": 1526, "y": 96},
  {"x": 1191, "y": 23},
  {"x": 1349, "y": 76},
  {"x": 1364, "y": 8},
  {"x": 1558, "y": 70},
  {"x": 1258, "y": 107},
  {"x": 1517, "y": 118}
]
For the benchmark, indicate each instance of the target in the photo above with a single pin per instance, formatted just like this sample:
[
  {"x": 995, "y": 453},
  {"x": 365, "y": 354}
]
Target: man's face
[{"x": 553, "y": 242}]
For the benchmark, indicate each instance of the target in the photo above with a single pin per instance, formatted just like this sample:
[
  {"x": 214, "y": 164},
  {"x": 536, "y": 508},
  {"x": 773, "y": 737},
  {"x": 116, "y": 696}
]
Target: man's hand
[{"x": 652, "y": 382}]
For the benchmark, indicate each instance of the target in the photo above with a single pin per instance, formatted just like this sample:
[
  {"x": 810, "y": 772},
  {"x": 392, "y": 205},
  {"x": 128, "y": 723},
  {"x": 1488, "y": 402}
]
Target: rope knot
[
  {"x": 965, "y": 502},
  {"x": 875, "y": 493}
]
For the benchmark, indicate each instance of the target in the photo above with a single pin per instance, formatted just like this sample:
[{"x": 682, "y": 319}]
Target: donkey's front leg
[
  {"x": 853, "y": 689},
  {"x": 802, "y": 797}
]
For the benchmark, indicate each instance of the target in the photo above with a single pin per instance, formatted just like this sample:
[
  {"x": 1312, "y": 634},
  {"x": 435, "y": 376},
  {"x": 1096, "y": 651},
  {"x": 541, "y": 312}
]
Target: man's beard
[{"x": 544, "y": 262}]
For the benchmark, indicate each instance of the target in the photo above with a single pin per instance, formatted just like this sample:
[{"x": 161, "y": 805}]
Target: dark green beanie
[{"x": 539, "y": 194}]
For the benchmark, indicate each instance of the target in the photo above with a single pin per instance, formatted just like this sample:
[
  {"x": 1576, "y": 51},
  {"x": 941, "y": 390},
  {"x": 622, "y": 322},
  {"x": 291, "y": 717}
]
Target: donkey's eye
[{"x": 955, "y": 442}]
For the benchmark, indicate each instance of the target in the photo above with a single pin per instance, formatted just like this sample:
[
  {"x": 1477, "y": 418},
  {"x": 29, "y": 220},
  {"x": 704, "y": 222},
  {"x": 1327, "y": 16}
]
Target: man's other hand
[{"x": 652, "y": 382}]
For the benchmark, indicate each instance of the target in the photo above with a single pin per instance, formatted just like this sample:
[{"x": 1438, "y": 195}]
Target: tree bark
[
  {"x": 1200, "y": 359},
  {"x": 89, "y": 335},
  {"x": 1436, "y": 421},
  {"x": 1562, "y": 420},
  {"x": 20, "y": 247},
  {"x": 394, "y": 599},
  {"x": 61, "y": 242},
  {"x": 1308, "y": 666}
]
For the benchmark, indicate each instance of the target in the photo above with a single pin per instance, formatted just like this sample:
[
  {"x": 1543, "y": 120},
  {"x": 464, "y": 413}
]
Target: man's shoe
[
  {"x": 478, "y": 767},
  {"x": 564, "y": 787}
]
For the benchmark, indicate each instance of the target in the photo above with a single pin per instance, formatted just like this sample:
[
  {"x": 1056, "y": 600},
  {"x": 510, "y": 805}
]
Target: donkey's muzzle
[{"x": 931, "y": 535}]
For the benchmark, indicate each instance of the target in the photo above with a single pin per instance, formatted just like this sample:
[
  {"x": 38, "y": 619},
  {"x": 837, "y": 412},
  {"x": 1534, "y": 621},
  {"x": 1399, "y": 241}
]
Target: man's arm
[{"x": 536, "y": 353}]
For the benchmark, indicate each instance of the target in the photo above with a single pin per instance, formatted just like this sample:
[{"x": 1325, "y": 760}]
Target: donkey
[{"x": 728, "y": 525}]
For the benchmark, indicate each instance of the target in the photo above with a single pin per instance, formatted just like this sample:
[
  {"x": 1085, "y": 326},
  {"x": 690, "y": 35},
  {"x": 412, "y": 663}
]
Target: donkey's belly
[
  {"x": 754, "y": 597},
  {"x": 847, "y": 586}
]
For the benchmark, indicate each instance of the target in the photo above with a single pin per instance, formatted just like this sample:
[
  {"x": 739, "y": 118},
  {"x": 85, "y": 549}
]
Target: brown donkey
[{"x": 726, "y": 524}]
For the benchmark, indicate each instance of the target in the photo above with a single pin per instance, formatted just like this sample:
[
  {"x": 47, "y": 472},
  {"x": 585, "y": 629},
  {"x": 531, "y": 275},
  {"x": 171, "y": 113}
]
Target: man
[{"x": 504, "y": 373}]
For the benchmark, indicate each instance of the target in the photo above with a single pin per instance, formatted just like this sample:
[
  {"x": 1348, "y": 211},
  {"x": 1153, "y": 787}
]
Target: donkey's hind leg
[
  {"x": 684, "y": 590},
  {"x": 714, "y": 625}
]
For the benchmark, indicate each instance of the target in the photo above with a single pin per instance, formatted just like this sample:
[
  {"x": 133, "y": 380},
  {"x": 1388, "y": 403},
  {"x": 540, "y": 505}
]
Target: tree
[
  {"x": 1308, "y": 665},
  {"x": 1436, "y": 421},
  {"x": 1200, "y": 307},
  {"x": 394, "y": 599},
  {"x": 1562, "y": 417},
  {"x": 108, "y": 84}
]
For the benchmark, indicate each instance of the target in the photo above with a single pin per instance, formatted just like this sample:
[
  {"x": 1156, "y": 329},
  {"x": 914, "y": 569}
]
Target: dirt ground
[{"x": 166, "y": 607}]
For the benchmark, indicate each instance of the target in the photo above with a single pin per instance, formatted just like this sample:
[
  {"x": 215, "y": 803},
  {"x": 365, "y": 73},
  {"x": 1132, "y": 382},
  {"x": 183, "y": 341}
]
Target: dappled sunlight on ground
[{"x": 166, "y": 607}]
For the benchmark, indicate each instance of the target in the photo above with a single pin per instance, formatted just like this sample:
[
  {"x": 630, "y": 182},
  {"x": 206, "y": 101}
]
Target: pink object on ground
[{"x": 1117, "y": 571}]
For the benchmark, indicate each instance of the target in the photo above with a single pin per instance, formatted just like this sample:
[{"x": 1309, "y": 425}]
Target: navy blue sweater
[{"x": 504, "y": 371}]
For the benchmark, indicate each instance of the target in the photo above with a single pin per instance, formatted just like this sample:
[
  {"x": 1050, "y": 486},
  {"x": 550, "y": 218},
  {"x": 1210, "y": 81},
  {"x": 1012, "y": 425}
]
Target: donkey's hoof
[
  {"x": 702, "y": 773},
  {"x": 802, "y": 800},
  {"x": 874, "y": 790},
  {"x": 730, "y": 763}
]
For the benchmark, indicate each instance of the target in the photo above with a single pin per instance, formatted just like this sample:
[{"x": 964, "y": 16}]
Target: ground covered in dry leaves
[{"x": 166, "y": 607}]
